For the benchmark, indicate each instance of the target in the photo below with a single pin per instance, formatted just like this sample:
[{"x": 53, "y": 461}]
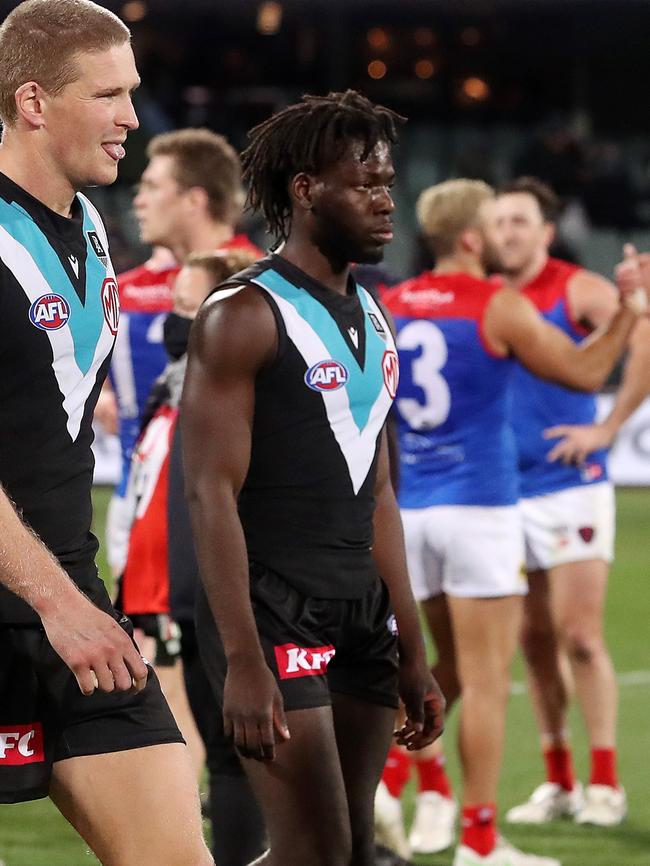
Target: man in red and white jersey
[{"x": 568, "y": 511}]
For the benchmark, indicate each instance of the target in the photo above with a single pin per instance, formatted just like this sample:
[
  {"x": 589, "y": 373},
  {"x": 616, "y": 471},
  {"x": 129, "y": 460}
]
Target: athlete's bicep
[
  {"x": 231, "y": 341},
  {"x": 541, "y": 347},
  {"x": 593, "y": 300}
]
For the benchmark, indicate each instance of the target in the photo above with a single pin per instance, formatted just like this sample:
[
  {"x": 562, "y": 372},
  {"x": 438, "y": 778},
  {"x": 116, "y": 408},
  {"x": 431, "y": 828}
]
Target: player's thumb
[
  {"x": 280, "y": 720},
  {"x": 629, "y": 252}
]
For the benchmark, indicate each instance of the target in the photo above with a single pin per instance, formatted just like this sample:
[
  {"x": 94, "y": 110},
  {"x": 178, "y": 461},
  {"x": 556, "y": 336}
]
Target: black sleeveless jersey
[
  {"x": 308, "y": 499},
  {"x": 58, "y": 319}
]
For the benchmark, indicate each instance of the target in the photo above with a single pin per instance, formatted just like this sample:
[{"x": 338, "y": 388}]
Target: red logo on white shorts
[
  {"x": 21, "y": 744},
  {"x": 111, "y": 303},
  {"x": 294, "y": 661},
  {"x": 390, "y": 368}
]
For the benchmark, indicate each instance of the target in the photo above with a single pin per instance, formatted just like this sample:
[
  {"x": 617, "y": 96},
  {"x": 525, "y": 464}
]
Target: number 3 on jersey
[{"x": 423, "y": 371}]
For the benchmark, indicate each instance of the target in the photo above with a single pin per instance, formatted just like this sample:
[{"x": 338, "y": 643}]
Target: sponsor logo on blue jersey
[
  {"x": 49, "y": 312},
  {"x": 327, "y": 375}
]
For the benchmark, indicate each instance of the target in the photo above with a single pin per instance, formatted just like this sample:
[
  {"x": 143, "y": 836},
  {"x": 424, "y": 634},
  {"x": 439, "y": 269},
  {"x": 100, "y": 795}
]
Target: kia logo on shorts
[
  {"x": 327, "y": 375},
  {"x": 294, "y": 661},
  {"x": 49, "y": 312}
]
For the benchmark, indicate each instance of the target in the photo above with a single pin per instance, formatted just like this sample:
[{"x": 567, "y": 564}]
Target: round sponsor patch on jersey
[
  {"x": 111, "y": 303},
  {"x": 390, "y": 369},
  {"x": 326, "y": 375},
  {"x": 49, "y": 312}
]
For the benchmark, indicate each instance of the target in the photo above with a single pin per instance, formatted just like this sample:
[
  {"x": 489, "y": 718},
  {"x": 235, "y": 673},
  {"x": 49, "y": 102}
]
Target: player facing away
[
  {"x": 568, "y": 512},
  {"x": 457, "y": 336},
  {"x": 77, "y": 724},
  {"x": 296, "y": 526}
]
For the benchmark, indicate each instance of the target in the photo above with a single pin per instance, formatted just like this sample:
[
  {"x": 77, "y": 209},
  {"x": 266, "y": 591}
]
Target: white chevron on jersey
[
  {"x": 73, "y": 384},
  {"x": 357, "y": 446}
]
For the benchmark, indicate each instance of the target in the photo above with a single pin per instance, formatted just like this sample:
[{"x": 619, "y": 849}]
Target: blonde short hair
[
  {"x": 41, "y": 39},
  {"x": 444, "y": 211}
]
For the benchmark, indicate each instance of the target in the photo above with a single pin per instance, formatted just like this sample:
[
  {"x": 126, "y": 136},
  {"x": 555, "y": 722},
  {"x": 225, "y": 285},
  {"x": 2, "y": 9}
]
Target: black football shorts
[
  {"x": 45, "y": 718},
  {"x": 314, "y": 646}
]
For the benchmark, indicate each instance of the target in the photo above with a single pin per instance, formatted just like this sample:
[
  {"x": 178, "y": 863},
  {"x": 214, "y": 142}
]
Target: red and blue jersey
[
  {"x": 538, "y": 404},
  {"x": 139, "y": 356},
  {"x": 456, "y": 442}
]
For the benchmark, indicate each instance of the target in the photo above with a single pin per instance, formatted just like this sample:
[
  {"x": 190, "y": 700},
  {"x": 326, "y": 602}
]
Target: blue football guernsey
[
  {"x": 538, "y": 404},
  {"x": 452, "y": 406}
]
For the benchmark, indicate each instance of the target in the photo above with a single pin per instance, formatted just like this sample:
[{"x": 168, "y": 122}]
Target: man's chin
[{"x": 370, "y": 256}]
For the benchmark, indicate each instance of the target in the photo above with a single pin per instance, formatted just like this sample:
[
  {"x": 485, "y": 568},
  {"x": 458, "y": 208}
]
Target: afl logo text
[
  {"x": 327, "y": 375},
  {"x": 390, "y": 368},
  {"x": 49, "y": 312},
  {"x": 111, "y": 304}
]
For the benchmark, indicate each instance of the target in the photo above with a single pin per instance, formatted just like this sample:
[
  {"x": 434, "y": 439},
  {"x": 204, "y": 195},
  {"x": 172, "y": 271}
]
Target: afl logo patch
[
  {"x": 327, "y": 375},
  {"x": 111, "y": 304},
  {"x": 49, "y": 312},
  {"x": 390, "y": 369}
]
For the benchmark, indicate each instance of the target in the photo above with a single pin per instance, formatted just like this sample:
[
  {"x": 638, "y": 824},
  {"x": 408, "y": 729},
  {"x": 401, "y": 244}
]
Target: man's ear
[
  {"x": 30, "y": 104},
  {"x": 470, "y": 240},
  {"x": 301, "y": 190},
  {"x": 198, "y": 198},
  {"x": 549, "y": 233}
]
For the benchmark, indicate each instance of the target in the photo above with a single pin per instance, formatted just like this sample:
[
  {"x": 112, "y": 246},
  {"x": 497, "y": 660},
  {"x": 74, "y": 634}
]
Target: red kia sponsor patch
[{"x": 294, "y": 661}]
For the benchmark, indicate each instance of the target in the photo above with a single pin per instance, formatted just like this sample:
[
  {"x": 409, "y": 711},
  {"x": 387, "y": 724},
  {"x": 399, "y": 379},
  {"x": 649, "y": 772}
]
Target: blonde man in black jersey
[{"x": 88, "y": 727}]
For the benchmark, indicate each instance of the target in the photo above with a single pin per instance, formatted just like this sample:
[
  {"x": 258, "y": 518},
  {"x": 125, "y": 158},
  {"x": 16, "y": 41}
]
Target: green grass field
[{"x": 34, "y": 834}]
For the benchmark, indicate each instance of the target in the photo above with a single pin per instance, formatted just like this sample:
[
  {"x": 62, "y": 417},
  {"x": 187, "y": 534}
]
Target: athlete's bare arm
[
  {"x": 98, "y": 652},
  {"x": 423, "y": 700},
  {"x": 513, "y": 325},
  {"x": 106, "y": 410},
  {"x": 231, "y": 341},
  {"x": 592, "y": 301}
]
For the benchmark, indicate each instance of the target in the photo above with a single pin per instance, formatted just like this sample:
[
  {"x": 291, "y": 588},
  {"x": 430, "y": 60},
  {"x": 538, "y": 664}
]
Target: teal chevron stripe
[
  {"x": 362, "y": 386},
  {"x": 85, "y": 322}
]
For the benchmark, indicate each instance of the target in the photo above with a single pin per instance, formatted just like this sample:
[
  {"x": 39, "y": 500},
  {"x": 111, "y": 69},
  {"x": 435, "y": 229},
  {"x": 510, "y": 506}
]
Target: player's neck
[
  {"x": 460, "y": 264},
  {"x": 526, "y": 275},
  {"x": 31, "y": 171},
  {"x": 201, "y": 237},
  {"x": 304, "y": 255}
]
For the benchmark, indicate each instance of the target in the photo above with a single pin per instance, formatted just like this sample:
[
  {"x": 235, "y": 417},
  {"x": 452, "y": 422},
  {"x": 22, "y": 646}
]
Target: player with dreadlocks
[{"x": 291, "y": 374}]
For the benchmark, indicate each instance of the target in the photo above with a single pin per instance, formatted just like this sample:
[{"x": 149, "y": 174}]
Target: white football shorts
[
  {"x": 569, "y": 525},
  {"x": 467, "y": 551}
]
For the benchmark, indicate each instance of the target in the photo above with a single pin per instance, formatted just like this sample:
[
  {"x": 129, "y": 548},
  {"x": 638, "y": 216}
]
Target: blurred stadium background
[{"x": 492, "y": 89}]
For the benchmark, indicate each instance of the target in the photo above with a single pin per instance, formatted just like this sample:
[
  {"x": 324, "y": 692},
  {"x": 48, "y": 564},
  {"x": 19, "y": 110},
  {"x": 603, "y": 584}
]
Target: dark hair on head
[
  {"x": 548, "y": 201},
  {"x": 308, "y": 137}
]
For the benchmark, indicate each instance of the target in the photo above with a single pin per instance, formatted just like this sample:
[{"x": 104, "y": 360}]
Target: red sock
[
  {"x": 397, "y": 771},
  {"x": 603, "y": 767},
  {"x": 432, "y": 776},
  {"x": 559, "y": 767},
  {"x": 479, "y": 828}
]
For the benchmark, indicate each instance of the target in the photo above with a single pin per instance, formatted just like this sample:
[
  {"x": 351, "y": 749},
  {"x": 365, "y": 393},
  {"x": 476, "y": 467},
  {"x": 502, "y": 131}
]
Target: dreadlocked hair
[{"x": 308, "y": 137}]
